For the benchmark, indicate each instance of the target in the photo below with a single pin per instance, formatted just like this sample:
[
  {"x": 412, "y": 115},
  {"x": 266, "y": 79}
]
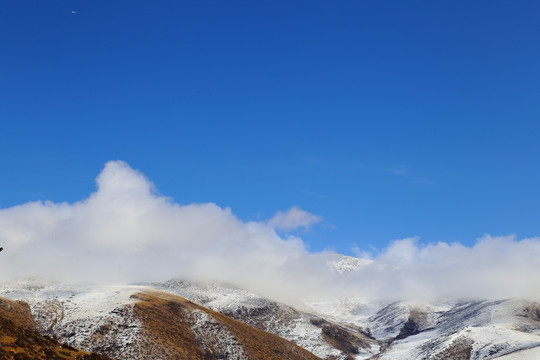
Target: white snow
[{"x": 527, "y": 354}]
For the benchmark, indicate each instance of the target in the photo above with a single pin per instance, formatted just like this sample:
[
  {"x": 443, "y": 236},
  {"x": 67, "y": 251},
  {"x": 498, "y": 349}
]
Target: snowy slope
[
  {"x": 527, "y": 354},
  {"x": 94, "y": 318}
]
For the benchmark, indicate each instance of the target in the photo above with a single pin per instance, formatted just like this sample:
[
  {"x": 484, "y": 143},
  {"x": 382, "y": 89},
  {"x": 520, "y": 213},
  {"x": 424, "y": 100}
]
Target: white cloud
[
  {"x": 293, "y": 218},
  {"x": 124, "y": 231},
  {"x": 495, "y": 267}
]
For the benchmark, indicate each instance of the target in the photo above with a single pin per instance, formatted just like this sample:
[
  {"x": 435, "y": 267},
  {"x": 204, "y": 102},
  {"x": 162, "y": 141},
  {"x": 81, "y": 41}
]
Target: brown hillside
[
  {"x": 19, "y": 339},
  {"x": 180, "y": 329},
  {"x": 18, "y": 312}
]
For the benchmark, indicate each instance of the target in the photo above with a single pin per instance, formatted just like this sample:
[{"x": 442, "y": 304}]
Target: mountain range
[{"x": 186, "y": 319}]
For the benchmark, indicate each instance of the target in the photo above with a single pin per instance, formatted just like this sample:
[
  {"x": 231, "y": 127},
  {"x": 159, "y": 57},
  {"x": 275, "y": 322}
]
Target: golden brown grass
[
  {"x": 168, "y": 321},
  {"x": 18, "y": 312}
]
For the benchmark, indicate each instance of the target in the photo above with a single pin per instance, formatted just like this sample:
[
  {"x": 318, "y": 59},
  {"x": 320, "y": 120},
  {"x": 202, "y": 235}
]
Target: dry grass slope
[
  {"x": 18, "y": 312},
  {"x": 169, "y": 321}
]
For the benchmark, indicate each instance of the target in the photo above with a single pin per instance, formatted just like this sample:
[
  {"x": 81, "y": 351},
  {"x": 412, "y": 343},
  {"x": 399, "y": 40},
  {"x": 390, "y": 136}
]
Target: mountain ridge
[{"x": 111, "y": 319}]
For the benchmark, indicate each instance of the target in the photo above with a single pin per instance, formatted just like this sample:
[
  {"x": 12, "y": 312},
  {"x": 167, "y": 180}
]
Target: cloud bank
[{"x": 125, "y": 232}]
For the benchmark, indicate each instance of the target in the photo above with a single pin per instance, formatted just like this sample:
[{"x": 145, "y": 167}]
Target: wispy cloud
[
  {"x": 404, "y": 173},
  {"x": 314, "y": 194},
  {"x": 293, "y": 218},
  {"x": 400, "y": 171}
]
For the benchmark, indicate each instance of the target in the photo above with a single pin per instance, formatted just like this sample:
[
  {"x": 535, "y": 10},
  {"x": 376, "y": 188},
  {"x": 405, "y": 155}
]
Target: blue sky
[{"x": 389, "y": 119}]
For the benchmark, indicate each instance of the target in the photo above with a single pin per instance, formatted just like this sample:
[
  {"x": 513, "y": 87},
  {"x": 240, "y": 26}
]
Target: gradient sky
[{"x": 389, "y": 119}]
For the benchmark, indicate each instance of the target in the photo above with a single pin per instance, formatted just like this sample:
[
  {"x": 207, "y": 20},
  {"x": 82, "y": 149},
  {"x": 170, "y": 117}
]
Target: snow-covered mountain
[
  {"x": 324, "y": 338},
  {"x": 186, "y": 319},
  {"x": 474, "y": 329},
  {"x": 350, "y": 328}
]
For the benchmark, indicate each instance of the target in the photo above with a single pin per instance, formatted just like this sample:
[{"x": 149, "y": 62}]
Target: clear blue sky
[{"x": 387, "y": 118}]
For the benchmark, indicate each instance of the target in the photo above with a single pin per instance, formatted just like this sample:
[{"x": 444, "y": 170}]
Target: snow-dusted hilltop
[{"x": 342, "y": 264}]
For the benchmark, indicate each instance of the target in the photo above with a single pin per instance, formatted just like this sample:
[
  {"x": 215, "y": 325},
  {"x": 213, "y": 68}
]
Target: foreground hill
[
  {"x": 138, "y": 322},
  {"x": 19, "y": 338},
  {"x": 180, "y": 329},
  {"x": 323, "y": 337}
]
